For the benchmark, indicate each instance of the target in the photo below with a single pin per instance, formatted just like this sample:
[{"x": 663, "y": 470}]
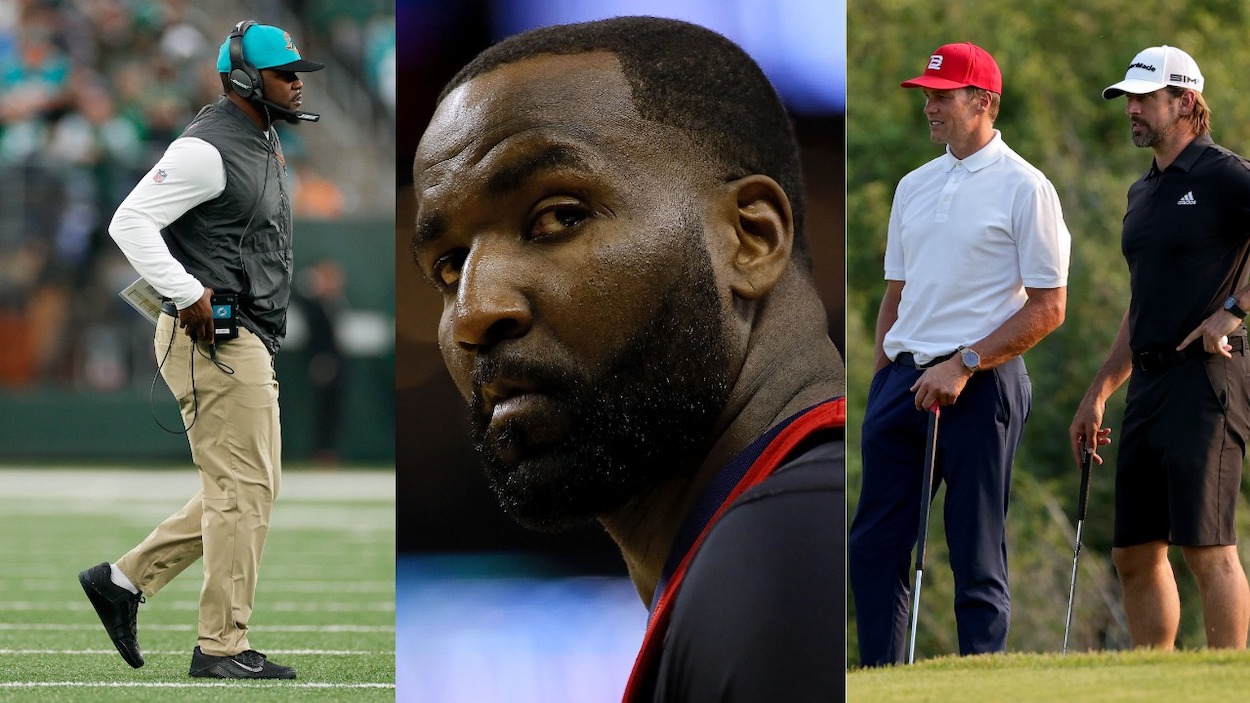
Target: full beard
[
  {"x": 1148, "y": 138},
  {"x": 648, "y": 416},
  {"x": 1153, "y": 135}
]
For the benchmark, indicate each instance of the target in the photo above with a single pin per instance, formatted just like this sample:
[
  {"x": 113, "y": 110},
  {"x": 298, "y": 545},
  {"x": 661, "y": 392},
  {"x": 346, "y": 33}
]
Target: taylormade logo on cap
[{"x": 1155, "y": 68}]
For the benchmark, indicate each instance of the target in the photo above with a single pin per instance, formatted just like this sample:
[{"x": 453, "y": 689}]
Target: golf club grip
[{"x": 1083, "y": 501}]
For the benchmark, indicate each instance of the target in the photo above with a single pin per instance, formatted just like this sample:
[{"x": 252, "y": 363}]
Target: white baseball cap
[{"x": 1155, "y": 68}]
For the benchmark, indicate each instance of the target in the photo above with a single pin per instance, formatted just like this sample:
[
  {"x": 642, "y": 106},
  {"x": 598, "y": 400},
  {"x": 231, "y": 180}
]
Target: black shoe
[
  {"x": 244, "y": 665},
  {"x": 118, "y": 609}
]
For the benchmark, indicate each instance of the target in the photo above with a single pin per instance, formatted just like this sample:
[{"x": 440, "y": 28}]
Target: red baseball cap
[{"x": 959, "y": 66}]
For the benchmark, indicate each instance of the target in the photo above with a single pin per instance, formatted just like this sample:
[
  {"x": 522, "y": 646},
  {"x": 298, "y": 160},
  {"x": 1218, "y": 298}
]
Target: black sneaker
[
  {"x": 244, "y": 665},
  {"x": 118, "y": 609}
]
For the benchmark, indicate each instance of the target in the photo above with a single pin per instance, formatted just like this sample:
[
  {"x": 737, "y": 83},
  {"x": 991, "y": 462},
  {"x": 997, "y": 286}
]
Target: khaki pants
[{"x": 236, "y": 442}]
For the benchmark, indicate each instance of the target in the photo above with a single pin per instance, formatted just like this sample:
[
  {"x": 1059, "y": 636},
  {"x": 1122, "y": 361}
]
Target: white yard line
[
  {"x": 206, "y": 684},
  {"x": 188, "y": 628},
  {"x": 180, "y": 652},
  {"x": 107, "y": 485},
  {"x": 361, "y": 606},
  {"x": 275, "y": 577},
  {"x": 385, "y": 588}
]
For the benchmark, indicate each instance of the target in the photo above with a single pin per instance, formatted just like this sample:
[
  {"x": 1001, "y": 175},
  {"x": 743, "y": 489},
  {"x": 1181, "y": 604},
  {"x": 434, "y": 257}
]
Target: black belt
[
  {"x": 169, "y": 308},
  {"x": 1167, "y": 358},
  {"x": 908, "y": 359}
]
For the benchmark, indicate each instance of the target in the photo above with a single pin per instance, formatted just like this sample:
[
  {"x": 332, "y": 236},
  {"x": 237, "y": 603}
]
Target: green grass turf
[
  {"x": 325, "y": 603},
  {"x": 1203, "y": 676}
]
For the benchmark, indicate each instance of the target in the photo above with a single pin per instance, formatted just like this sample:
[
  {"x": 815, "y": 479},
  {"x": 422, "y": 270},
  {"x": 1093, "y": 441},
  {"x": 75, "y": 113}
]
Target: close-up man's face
[
  {"x": 950, "y": 114},
  {"x": 582, "y": 319},
  {"x": 283, "y": 88}
]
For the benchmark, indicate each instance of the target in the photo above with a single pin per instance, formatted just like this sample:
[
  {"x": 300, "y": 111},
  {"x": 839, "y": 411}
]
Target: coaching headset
[{"x": 247, "y": 83}]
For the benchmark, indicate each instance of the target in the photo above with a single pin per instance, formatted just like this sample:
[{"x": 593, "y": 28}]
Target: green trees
[{"x": 1056, "y": 57}]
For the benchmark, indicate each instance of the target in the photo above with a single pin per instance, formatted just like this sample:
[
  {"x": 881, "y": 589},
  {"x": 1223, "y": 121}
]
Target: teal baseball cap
[{"x": 266, "y": 46}]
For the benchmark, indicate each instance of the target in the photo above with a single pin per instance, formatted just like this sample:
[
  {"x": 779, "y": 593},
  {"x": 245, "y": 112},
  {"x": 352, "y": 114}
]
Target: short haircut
[
  {"x": 974, "y": 93},
  {"x": 684, "y": 76}
]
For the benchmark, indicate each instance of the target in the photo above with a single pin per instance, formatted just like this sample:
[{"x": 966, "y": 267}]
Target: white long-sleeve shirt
[{"x": 189, "y": 173}]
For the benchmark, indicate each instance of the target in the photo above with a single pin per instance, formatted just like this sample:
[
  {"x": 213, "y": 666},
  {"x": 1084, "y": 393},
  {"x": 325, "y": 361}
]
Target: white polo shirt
[{"x": 967, "y": 237}]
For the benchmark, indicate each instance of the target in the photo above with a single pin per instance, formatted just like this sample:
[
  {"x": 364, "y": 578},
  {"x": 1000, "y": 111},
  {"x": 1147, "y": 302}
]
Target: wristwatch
[
  {"x": 1230, "y": 304},
  {"x": 970, "y": 358}
]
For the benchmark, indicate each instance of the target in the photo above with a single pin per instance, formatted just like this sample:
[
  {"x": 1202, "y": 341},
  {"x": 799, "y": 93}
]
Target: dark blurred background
[
  {"x": 444, "y": 504},
  {"x": 486, "y": 611}
]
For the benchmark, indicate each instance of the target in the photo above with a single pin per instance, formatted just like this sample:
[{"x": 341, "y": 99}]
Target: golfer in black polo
[{"x": 1182, "y": 347}]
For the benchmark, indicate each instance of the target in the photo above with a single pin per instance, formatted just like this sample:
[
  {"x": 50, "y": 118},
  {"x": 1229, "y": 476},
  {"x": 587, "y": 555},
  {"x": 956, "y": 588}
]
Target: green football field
[{"x": 325, "y": 604}]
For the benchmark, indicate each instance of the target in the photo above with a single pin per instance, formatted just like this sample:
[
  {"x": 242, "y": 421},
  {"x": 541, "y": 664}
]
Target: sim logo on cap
[{"x": 935, "y": 62}]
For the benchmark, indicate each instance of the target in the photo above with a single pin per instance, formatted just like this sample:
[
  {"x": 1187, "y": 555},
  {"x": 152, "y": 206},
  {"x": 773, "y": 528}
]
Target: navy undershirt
[{"x": 712, "y": 498}]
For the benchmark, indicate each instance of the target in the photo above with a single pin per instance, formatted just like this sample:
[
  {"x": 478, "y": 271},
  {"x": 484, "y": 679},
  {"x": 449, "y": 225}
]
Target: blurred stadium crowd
[{"x": 91, "y": 93}]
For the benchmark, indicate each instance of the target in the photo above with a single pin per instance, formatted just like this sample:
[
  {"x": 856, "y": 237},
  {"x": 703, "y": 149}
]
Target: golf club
[
  {"x": 1080, "y": 522},
  {"x": 926, "y": 490}
]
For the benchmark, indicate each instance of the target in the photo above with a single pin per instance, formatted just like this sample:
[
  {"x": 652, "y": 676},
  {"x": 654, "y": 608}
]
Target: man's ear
[
  {"x": 763, "y": 235},
  {"x": 1188, "y": 99},
  {"x": 984, "y": 100}
]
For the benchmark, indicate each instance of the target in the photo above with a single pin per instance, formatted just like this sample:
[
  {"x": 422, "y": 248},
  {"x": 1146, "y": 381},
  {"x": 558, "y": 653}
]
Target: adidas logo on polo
[{"x": 1187, "y": 199}]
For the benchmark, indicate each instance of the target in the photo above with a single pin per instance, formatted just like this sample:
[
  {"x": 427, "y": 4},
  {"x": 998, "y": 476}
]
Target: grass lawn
[
  {"x": 325, "y": 604},
  {"x": 1203, "y": 676}
]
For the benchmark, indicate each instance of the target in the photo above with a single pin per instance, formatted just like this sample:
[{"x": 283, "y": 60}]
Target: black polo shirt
[{"x": 1185, "y": 238}]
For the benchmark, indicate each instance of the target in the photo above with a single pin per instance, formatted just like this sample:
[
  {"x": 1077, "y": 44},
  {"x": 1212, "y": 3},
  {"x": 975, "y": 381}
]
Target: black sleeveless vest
[{"x": 240, "y": 241}]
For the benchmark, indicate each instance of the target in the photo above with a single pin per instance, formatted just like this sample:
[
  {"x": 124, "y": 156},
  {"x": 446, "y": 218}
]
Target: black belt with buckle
[
  {"x": 169, "y": 308},
  {"x": 909, "y": 359},
  {"x": 1167, "y": 358}
]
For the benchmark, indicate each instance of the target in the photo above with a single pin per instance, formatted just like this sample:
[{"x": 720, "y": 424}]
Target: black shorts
[{"x": 1178, "y": 471}]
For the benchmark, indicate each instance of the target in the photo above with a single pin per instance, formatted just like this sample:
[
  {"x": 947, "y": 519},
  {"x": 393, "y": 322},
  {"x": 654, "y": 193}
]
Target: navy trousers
[{"x": 977, "y": 440}]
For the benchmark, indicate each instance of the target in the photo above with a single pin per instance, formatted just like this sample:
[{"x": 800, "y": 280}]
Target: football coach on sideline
[{"x": 212, "y": 217}]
